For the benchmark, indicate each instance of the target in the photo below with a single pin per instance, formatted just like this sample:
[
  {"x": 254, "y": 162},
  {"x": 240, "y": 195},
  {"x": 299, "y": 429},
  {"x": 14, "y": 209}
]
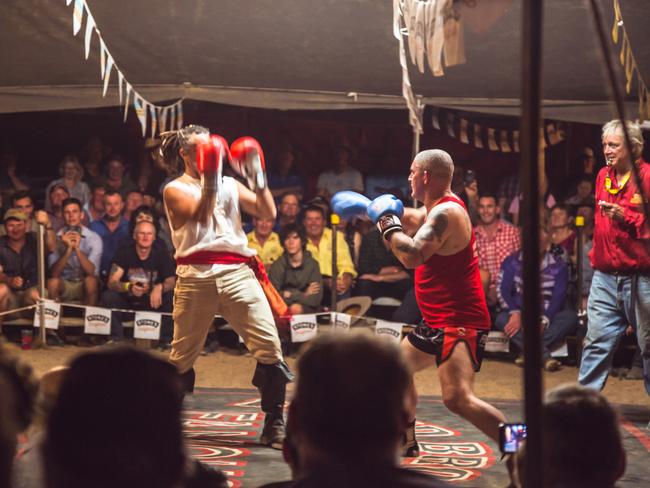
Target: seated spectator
[
  {"x": 112, "y": 228},
  {"x": 71, "y": 173},
  {"x": 296, "y": 274},
  {"x": 337, "y": 374},
  {"x": 133, "y": 200},
  {"x": 116, "y": 177},
  {"x": 18, "y": 263},
  {"x": 58, "y": 193},
  {"x": 23, "y": 201},
  {"x": 380, "y": 272},
  {"x": 319, "y": 244},
  {"x": 557, "y": 320},
  {"x": 145, "y": 213},
  {"x": 117, "y": 423},
  {"x": 288, "y": 210},
  {"x": 582, "y": 442},
  {"x": 583, "y": 193},
  {"x": 465, "y": 185},
  {"x": 74, "y": 265},
  {"x": 95, "y": 207},
  {"x": 562, "y": 233},
  {"x": 92, "y": 155},
  {"x": 265, "y": 241},
  {"x": 283, "y": 177},
  {"x": 142, "y": 277},
  {"x": 343, "y": 177},
  {"x": 495, "y": 241},
  {"x": 10, "y": 180}
]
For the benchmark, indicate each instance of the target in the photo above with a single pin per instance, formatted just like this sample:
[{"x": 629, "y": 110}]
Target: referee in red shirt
[{"x": 620, "y": 289}]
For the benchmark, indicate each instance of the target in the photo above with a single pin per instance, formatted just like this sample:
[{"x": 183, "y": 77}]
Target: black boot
[
  {"x": 188, "y": 378},
  {"x": 410, "y": 446},
  {"x": 271, "y": 380}
]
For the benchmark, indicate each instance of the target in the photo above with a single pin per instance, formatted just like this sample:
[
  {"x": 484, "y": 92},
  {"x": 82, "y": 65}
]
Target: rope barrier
[{"x": 16, "y": 310}]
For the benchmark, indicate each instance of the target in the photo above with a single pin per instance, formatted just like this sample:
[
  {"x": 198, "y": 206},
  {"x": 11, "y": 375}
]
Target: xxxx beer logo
[
  {"x": 98, "y": 318},
  {"x": 388, "y": 331},
  {"x": 303, "y": 326},
  {"x": 147, "y": 323},
  {"x": 51, "y": 313}
]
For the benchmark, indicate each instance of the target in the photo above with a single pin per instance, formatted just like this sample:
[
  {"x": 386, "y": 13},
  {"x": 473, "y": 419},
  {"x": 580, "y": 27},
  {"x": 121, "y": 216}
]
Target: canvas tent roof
[{"x": 299, "y": 54}]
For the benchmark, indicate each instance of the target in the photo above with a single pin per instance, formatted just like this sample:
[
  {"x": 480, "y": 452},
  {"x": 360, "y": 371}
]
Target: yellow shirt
[
  {"x": 271, "y": 250},
  {"x": 323, "y": 254}
]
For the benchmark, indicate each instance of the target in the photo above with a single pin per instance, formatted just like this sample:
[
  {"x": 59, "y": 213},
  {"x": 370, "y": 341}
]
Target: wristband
[
  {"x": 387, "y": 224},
  {"x": 126, "y": 287}
]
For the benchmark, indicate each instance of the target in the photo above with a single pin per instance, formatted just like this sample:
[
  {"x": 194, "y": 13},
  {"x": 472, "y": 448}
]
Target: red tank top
[{"x": 448, "y": 289}]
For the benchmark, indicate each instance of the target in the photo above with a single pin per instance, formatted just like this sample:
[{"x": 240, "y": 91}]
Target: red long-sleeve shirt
[{"x": 622, "y": 246}]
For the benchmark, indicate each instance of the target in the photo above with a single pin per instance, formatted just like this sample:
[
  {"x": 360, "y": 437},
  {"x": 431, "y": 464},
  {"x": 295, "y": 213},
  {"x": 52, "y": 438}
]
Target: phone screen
[{"x": 511, "y": 437}]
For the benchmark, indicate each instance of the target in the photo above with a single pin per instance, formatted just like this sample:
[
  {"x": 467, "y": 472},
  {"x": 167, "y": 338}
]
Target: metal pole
[
  {"x": 335, "y": 221},
  {"x": 580, "y": 234},
  {"x": 414, "y": 151},
  {"x": 40, "y": 307},
  {"x": 530, "y": 126}
]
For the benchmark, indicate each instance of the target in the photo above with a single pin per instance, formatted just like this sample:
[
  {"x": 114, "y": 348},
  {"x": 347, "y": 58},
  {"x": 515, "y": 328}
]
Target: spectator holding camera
[
  {"x": 74, "y": 265},
  {"x": 142, "y": 277}
]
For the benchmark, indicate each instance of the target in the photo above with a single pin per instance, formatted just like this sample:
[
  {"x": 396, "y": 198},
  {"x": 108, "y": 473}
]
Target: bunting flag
[
  {"x": 107, "y": 64},
  {"x": 503, "y": 140},
  {"x": 162, "y": 118},
  {"x": 630, "y": 66},
  {"x": 140, "y": 106},
  {"x": 172, "y": 117}
]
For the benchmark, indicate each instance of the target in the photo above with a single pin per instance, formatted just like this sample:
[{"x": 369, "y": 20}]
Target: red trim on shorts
[
  {"x": 213, "y": 257},
  {"x": 454, "y": 335}
]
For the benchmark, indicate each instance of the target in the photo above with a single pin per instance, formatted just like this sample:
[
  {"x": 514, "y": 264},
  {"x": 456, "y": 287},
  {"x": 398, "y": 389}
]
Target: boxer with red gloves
[
  {"x": 248, "y": 162},
  {"x": 212, "y": 257}
]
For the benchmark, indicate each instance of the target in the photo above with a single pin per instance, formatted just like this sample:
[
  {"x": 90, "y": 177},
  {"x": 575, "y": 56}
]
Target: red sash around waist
[{"x": 213, "y": 257}]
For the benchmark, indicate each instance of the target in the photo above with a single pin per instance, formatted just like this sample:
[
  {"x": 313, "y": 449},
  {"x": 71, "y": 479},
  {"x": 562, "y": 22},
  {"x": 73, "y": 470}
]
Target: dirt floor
[{"x": 229, "y": 369}]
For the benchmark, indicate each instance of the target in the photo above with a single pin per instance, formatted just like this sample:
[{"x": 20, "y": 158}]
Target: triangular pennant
[
  {"x": 515, "y": 141},
  {"x": 77, "y": 16},
  {"x": 503, "y": 139},
  {"x": 551, "y": 133},
  {"x": 172, "y": 117},
  {"x": 90, "y": 28},
  {"x": 617, "y": 21},
  {"x": 162, "y": 118},
  {"x": 435, "y": 118},
  {"x": 68, "y": 2},
  {"x": 107, "y": 76},
  {"x": 450, "y": 125},
  {"x": 630, "y": 68},
  {"x": 102, "y": 56},
  {"x": 478, "y": 139},
  {"x": 463, "y": 131},
  {"x": 179, "y": 115},
  {"x": 120, "y": 82},
  {"x": 140, "y": 106},
  {"x": 492, "y": 143},
  {"x": 126, "y": 100},
  {"x": 154, "y": 120}
]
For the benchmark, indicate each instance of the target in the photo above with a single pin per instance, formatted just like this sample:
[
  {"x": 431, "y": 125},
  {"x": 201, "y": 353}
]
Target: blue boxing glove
[
  {"x": 348, "y": 204},
  {"x": 386, "y": 211}
]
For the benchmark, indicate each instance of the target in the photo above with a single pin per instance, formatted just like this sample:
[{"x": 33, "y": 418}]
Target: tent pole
[{"x": 530, "y": 127}]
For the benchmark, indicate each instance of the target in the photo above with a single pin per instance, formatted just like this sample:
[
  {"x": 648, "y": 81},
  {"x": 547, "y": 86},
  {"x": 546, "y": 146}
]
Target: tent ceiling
[{"x": 299, "y": 54}]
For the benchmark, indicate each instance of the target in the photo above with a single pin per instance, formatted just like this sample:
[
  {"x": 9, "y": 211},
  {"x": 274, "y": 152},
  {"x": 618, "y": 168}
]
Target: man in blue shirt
[
  {"x": 74, "y": 264},
  {"x": 557, "y": 320},
  {"x": 113, "y": 230}
]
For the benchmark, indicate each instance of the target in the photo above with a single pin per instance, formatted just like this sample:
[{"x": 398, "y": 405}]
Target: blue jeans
[
  {"x": 610, "y": 310},
  {"x": 563, "y": 324}
]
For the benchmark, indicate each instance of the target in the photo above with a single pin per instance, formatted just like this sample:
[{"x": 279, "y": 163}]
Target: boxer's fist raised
[
  {"x": 348, "y": 204},
  {"x": 210, "y": 157},
  {"x": 386, "y": 211},
  {"x": 248, "y": 161}
]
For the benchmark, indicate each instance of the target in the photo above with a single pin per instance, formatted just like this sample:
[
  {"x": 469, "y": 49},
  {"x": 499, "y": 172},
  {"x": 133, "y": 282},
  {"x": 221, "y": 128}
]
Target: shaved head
[{"x": 437, "y": 162}]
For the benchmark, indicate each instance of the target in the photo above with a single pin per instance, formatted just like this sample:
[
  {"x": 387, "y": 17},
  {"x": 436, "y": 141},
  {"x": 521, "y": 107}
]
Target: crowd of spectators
[{"x": 92, "y": 210}]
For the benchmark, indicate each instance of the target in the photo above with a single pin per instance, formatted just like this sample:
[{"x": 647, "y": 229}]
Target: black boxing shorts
[{"x": 440, "y": 342}]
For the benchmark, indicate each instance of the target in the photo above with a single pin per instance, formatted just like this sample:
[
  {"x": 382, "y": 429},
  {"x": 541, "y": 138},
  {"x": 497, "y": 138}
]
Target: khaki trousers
[{"x": 237, "y": 296}]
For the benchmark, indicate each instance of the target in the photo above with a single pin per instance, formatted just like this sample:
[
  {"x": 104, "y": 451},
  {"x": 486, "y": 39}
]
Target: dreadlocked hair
[{"x": 175, "y": 140}]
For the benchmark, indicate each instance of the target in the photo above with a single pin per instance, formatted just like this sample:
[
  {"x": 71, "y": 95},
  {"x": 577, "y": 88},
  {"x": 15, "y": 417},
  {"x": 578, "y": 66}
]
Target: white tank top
[{"x": 223, "y": 231}]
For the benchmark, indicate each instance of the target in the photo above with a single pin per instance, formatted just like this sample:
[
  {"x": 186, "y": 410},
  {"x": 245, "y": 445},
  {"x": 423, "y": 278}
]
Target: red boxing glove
[
  {"x": 248, "y": 161},
  {"x": 210, "y": 157}
]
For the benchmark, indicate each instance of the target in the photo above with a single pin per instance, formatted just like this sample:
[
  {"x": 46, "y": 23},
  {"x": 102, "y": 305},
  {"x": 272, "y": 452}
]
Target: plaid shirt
[{"x": 492, "y": 252}]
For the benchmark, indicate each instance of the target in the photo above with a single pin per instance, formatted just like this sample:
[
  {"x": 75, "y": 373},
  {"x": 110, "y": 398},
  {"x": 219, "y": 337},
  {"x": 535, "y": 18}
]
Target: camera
[
  {"x": 469, "y": 178},
  {"x": 73, "y": 228},
  {"x": 511, "y": 436}
]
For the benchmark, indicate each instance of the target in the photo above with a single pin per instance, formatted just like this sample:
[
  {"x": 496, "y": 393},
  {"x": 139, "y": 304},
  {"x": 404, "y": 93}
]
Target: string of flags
[
  {"x": 491, "y": 138},
  {"x": 153, "y": 118},
  {"x": 435, "y": 34},
  {"x": 303, "y": 327},
  {"x": 631, "y": 69}
]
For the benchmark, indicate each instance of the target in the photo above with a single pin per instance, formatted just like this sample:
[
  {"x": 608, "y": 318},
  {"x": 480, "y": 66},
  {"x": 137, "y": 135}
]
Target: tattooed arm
[{"x": 433, "y": 234}]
